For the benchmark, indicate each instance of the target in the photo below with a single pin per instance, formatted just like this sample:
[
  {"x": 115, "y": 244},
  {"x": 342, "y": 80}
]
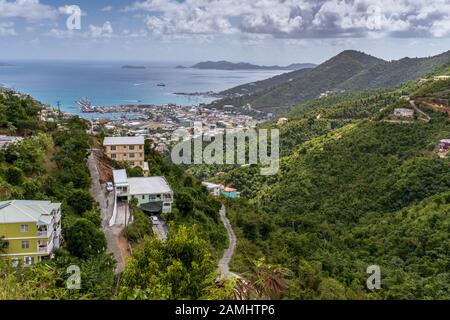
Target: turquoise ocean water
[{"x": 107, "y": 83}]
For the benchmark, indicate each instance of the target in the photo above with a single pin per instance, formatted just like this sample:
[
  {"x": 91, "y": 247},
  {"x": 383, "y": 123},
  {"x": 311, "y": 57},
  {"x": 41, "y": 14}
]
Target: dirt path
[
  {"x": 426, "y": 116},
  {"x": 106, "y": 203},
  {"x": 224, "y": 263}
]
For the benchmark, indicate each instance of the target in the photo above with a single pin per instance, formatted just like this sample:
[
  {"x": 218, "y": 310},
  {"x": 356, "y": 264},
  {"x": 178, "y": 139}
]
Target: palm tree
[{"x": 265, "y": 281}]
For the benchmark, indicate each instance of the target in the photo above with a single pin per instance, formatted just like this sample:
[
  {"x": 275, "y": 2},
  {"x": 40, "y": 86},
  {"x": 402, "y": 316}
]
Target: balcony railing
[
  {"x": 46, "y": 249},
  {"x": 45, "y": 233}
]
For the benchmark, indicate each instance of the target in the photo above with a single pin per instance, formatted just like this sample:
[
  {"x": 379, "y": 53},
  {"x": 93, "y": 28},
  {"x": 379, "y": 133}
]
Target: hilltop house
[
  {"x": 127, "y": 149},
  {"x": 443, "y": 77},
  {"x": 31, "y": 229},
  {"x": 153, "y": 194},
  {"x": 219, "y": 189},
  {"x": 403, "y": 112}
]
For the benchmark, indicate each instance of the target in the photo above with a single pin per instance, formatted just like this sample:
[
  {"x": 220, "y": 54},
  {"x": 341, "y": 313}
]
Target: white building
[
  {"x": 403, "y": 112},
  {"x": 213, "y": 188},
  {"x": 154, "y": 194},
  {"x": 6, "y": 140}
]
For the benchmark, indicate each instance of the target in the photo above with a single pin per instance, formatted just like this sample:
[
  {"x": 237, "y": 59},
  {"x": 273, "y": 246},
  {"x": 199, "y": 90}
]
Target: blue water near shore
[{"x": 108, "y": 84}]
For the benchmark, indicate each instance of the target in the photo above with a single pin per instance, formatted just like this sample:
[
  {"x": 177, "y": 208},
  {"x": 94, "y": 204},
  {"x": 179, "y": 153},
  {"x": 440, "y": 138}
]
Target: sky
[{"x": 258, "y": 31}]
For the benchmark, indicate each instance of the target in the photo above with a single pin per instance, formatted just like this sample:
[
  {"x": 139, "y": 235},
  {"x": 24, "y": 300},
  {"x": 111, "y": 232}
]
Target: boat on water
[
  {"x": 161, "y": 84},
  {"x": 87, "y": 107}
]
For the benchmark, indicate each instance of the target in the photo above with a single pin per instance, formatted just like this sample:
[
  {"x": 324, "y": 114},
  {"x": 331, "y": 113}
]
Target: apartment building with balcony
[
  {"x": 127, "y": 149},
  {"x": 30, "y": 230}
]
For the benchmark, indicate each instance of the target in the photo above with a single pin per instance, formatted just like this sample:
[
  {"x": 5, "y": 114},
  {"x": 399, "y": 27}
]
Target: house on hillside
[
  {"x": 31, "y": 229},
  {"x": 282, "y": 121},
  {"x": 444, "y": 144},
  {"x": 154, "y": 194},
  {"x": 219, "y": 189},
  {"x": 7, "y": 140},
  {"x": 403, "y": 112},
  {"x": 127, "y": 149},
  {"x": 439, "y": 78}
]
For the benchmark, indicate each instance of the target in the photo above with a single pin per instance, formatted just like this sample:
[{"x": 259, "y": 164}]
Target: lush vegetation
[
  {"x": 50, "y": 164},
  {"x": 180, "y": 268},
  {"x": 349, "y": 71},
  {"x": 193, "y": 204},
  {"x": 368, "y": 193}
]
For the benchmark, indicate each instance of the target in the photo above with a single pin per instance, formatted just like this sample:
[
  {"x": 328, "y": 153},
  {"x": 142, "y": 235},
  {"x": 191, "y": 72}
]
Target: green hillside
[
  {"x": 348, "y": 71},
  {"x": 366, "y": 193}
]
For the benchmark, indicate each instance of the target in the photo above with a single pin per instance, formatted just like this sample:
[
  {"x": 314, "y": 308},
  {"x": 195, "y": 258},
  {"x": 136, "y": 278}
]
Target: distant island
[
  {"x": 180, "y": 67},
  {"x": 226, "y": 65},
  {"x": 133, "y": 67}
]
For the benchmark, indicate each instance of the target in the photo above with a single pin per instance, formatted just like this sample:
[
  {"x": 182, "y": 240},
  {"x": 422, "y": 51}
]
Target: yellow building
[
  {"x": 126, "y": 149},
  {"x": 29, "y": 229}
]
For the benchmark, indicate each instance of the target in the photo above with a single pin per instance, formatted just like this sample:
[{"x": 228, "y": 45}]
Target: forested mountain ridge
[
  {"x": 367, "y": 193},
  {"x": 348, "y": 71}
]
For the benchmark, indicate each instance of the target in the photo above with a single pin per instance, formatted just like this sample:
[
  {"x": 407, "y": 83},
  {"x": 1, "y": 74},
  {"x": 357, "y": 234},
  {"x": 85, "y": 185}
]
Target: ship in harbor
[{"x": 87, "y": 107}]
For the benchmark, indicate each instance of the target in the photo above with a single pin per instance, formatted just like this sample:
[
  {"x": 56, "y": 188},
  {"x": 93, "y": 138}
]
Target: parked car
[
  {"x": 109, "y": 187},
  {"x": 155, "y": 220}
]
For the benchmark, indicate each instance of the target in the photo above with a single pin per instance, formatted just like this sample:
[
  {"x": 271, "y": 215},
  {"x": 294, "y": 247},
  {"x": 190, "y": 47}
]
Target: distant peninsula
[
  {"x": 226, "y": 65},
  {"x": 133, "y": 67}
]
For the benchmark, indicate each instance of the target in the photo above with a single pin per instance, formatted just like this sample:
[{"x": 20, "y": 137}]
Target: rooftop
[
  {"x": 120, "y": 176},
  {"x": 149, "y": 185},
  {"x": 115, "y": 141},
  {"x": 17, "y": 211}
]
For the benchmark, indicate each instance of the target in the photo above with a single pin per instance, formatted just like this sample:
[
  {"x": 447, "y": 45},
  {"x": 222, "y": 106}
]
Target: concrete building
[
  {"x": 6, "y": 140},
  {"x": 127, "y": 149},
  {"x": 154, "y": 194},
  {"x": 403, "y": 112},
  {"x": 30, "y": 229}
]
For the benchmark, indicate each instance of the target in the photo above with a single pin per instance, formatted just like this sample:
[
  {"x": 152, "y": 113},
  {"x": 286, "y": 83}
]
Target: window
[
  {"x": 140, "y": 147},
  {"x": 132, "y": 155},
  {"x": 28, "y": 260},
  {"x": 143, "y": 197},
  {"x": 113, "y": 156},
  {"x": 25, "y": 244},
  {"x": 113, "y": 148},
  {"x": 24, "y": 228},
  {"x": 131, "y": 147}
]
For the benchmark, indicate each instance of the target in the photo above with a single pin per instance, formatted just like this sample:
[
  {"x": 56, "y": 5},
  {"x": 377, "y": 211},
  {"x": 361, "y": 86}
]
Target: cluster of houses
[{"x": 153, "y": 194}]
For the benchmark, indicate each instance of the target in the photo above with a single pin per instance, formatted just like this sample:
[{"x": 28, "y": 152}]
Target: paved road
[
  {"x": 160, "y": 230},
  {"x": 106, "y": 203},
  {"x": 224, "y": 263}
]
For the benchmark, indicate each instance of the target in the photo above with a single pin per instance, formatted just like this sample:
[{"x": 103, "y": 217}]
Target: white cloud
[
  {"x": 7, "y": 29},
  {"x": 107, "y": 8},
  {"x": 104, "y": 31},
  {"x": 296, "y": 19},
  {"x": 28, "y": 9}
]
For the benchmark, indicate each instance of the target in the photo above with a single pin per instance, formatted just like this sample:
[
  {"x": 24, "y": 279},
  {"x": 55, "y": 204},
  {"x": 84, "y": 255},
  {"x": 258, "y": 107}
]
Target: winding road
[{"x": 224, "y": 263}]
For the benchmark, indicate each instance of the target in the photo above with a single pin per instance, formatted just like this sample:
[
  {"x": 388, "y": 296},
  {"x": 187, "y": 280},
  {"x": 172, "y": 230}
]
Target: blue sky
[{"x": 258, "y": 31}]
